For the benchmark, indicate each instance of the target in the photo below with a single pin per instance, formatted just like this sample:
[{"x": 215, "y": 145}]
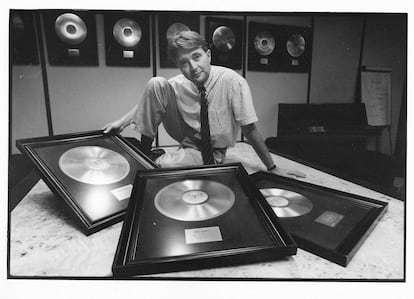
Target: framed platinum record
[
  {"x": 127, "y": 39},
  {"x": 225, "y": 37},
  {"x": 279, "y": 48},
  {"x": 71, "y": 38},
  {"x": 326, "y": 222},
  {"x": 197, "y": 217},
  {"x": 91, "y": 171}
]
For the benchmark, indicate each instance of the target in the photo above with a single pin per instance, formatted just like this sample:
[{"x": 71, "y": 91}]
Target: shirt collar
[{"x": 207, "y": 84}]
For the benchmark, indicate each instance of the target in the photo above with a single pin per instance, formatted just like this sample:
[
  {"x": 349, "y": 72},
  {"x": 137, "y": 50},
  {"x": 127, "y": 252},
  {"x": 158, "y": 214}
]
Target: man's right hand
[{"x": 117, "y": 126}]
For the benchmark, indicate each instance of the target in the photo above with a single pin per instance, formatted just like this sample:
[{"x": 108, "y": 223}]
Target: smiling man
[{"x": 177, "y": 103}]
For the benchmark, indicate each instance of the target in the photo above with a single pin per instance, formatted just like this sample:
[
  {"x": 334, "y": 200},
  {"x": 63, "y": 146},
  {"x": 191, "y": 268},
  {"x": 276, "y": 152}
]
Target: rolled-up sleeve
[{"x": 242, "y": 103}]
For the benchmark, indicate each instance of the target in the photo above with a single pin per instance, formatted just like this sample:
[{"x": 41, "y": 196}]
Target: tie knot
[{"x": 202, "y": 89}]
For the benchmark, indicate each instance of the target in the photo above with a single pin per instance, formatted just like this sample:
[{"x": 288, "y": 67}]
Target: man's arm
[
  {"x": 253, "y": 135},
  {"x": 120, "y": 124}
]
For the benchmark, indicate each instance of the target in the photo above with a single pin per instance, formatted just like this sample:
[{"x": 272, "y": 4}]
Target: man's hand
[
  {"x": 288, "y": 172},
  {"x": 117, "y": 126}
]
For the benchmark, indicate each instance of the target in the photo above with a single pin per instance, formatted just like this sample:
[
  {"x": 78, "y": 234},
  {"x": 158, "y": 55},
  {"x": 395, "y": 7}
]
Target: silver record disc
[
  {"x": 94, "y": 165},
  {"x": 70, "y": 28},
  {"x": 174, "y": 29},
  {"x": 295, "y": 45},
  {"x": 286, "y": 203},
  {"x": 127, "y": 32},
  {"x": 194, "y": 200},
  {"x": 224, "y": 39},
  {"x": 264, "y": 43}
]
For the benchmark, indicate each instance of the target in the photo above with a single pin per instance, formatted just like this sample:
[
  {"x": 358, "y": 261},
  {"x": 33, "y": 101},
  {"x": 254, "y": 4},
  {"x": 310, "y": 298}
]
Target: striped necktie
[{"x": 205, "y": 145}]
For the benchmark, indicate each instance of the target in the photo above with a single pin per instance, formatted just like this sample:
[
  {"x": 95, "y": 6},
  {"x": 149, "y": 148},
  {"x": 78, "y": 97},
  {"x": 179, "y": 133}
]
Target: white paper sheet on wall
[{"x": 376, "y": 94}]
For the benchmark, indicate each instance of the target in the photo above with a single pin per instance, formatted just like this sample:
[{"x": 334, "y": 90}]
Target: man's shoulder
[{"x": 226, "y": 73}]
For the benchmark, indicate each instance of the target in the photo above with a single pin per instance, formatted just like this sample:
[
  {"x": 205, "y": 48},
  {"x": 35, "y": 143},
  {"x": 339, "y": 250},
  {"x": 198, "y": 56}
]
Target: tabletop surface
[{"x": 46, "y": 242}]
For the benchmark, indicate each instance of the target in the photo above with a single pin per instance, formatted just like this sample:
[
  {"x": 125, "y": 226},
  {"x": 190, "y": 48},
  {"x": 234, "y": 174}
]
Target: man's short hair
[{"x": 187, "y": 40}]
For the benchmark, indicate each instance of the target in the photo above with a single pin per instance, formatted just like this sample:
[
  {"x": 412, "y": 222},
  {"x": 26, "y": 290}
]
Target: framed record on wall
[
  {"x": 127, "y": 39},
  {"x": 169, "y": 24},
  {"x": 196, "y": 217},
  {"x": 91, "y": 171},
  {"x": 225, "y": 37},
  {"x": 279, "y": 48},
  {"x": 326, "y": 222},
  {"x": 71, "y": 38},
  {"x": 23, "y": 42}
]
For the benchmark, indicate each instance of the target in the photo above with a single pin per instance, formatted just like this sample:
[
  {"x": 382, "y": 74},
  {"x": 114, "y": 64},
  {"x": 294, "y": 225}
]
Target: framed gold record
[
  {"x": 92, "y": 172},
  {"x": 326, "y": 222},
  {"x": 279, "y": 48},
  {"x": 225, "y": 37},
  {"x": 195, "y": 217},
  {"x": 127, "y": 39},
  {"x": 71, "y": 37},
  {"x": 169, "y": 24}
]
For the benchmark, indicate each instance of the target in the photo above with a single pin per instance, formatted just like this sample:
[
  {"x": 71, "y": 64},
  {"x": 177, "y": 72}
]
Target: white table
[{"x": 44, "y": 240}]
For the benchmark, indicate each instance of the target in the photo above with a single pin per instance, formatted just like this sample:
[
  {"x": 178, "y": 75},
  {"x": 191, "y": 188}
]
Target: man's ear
[{"x": 209, "y": 54}]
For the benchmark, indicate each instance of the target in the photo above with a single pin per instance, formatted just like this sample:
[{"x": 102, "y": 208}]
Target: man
[{"x": 202, "y": 93}]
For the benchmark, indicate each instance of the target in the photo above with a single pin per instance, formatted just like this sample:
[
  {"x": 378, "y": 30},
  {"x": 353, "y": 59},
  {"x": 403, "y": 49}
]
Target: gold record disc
[
  {"x": 94, "y": 165},
  {"x": 194, "y": 200},
  {"x": 295, "y": 45},
  {"x": 224, "y": 39},
  {"x": 286, "y": 203},
  {"x": 264, "y": 43},
  {"x": 174, "y": 29},
  {"x": 70, "y": 28},
  {"x": 127, "y": 32}
]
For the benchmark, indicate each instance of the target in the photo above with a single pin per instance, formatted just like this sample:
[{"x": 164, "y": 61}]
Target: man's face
[{"x": 194, "y": 65}]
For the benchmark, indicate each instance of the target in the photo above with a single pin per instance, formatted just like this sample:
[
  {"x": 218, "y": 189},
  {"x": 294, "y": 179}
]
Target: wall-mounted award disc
[
  {"x": 296, "y": 45},
  {"x": 264, "y": 43},
  {"x": 127, "y": 32},
  {"x": 71, "y": 29},
  {"x": 224, "y": 39}
]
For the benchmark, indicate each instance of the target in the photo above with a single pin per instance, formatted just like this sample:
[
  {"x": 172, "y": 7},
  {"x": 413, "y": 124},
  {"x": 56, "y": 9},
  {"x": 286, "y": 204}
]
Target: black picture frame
[
  {"x": 119, "y": 55},
  {"x": 23, "y": 41},
  {"x": 165, "y": 20},
  {"x": 352, "y": 218},
  {"x": 152, "y": 242},
  {"x": 233, "y": 57},
  {"x": 93, "y": 207},
  {"x": 61, "y": 53},
  {"x": 279, "y": 60}
]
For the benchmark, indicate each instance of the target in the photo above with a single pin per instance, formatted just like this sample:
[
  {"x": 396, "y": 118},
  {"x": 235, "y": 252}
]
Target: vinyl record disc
[
  {"x": 174, "y": 29},
  {"x": 264, "y": 43},
  {"x": 70, "y": 28},
  {"x": 94, "y": 165},
  {"x": 224, "y": 39},
  {"x": 295, "y": 45},
  {"x": 194, "y": 200},
  {"x": 127, "y": 32},
  {"x": 286, "y": 203}
]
